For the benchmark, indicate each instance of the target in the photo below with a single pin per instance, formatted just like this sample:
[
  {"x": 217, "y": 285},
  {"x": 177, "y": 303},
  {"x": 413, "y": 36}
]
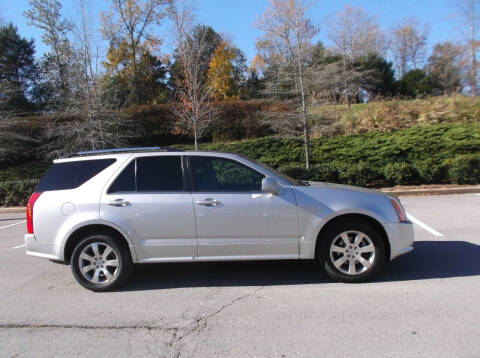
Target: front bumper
[
  {"x": 37, "y": 249},
  {"x": 401, "y": 237}
]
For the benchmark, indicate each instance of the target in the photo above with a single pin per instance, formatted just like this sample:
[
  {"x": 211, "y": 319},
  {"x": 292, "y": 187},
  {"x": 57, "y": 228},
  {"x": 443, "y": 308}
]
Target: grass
[{"x": 390, "y": 115}]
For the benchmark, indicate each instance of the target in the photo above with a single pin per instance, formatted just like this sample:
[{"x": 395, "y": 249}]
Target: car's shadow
[{"x": 429, "y": 260}]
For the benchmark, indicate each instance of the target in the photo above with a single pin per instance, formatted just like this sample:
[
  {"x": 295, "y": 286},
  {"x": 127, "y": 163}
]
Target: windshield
[{"x": 289, "y": 180}]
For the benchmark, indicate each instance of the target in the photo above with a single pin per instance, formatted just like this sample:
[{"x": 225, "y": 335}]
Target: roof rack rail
[{"x": 86, "y": 153}]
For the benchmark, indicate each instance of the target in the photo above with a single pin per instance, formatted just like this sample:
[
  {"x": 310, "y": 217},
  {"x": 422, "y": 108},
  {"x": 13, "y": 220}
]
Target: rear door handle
[
  {"x": 119, "y": 203},
  {"x": 208, "y": 202}
]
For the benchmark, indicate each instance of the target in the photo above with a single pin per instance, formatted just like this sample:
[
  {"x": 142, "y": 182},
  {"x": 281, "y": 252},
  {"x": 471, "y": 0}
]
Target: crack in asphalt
[
  {"x": 201, "y": 323},
  {"x": 177, "y": 333},
  {"x": 81, "y": 326}
]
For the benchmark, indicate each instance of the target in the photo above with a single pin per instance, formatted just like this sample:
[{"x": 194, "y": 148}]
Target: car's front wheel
[
  {"x": 352, "y": 251},
  {"x": 101, "y": 263}
]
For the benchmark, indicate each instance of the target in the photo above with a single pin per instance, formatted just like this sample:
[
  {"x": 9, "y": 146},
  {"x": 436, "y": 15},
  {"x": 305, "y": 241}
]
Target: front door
[
  {"x": 150, "y": 200},
  {"x": 235, "y": 219}
]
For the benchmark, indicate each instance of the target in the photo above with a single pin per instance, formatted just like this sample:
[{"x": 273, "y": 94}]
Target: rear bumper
[
  {"x": 37, "y": 249},
  {"x": 400, "y": 236}
]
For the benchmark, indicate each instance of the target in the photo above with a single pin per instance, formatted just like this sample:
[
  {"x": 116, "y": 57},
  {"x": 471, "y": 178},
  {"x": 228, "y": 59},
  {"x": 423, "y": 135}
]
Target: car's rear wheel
[
  {"x": 101, "y": 263},
  {"x": 352, "y": 251}
]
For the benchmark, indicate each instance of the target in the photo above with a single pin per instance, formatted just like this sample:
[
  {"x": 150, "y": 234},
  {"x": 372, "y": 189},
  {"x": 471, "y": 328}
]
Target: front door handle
[
  {"x": 119, "y": 203},
  {"x": 208, "y": 202}
]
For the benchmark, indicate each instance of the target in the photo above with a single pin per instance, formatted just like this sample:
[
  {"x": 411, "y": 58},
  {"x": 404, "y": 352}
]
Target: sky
[{"x": 236, "y": 18}]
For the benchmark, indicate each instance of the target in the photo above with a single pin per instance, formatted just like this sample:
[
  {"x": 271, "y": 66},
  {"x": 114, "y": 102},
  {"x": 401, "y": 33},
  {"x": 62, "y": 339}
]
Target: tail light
[
  {"x": 31, "y": 202},
  {"x": 399, "y": 209}
]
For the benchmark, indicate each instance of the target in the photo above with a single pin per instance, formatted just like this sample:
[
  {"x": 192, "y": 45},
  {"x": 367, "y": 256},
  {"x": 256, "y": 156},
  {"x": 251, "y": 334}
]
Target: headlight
[{"x": 402, "y": 217}]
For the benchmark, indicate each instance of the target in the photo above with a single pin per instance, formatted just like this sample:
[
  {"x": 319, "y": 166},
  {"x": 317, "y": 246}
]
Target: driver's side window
[{"x": 215, "y": 174}]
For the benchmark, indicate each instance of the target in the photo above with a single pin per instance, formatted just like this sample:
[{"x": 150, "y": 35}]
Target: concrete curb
[
  {"x": 439, "y": 191},
  {"x": 12, "y": 209}
]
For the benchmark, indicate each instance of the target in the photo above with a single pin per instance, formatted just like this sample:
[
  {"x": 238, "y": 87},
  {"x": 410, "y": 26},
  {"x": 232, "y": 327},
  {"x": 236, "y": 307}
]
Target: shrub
[
  {"x": 328, "y": 172},
  {"x": 296, "y": 172},
  {"x": 464, "y": 169},
  {"x": 16, "y": 193},
  {"x": 431, "y": 172},
  {"x": 400, "y": 173},
  {"x": 361, "y": 174}
]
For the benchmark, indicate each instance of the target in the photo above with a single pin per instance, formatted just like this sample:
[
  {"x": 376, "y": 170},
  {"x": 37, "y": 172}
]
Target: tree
[
  {"x": 150, "y": 78},
  {"x": 200, "y": 36},
  {"x": 416, "y": 83},
  {"x": 408, "y": 44},
  {"x": 220, "y": 75},
  {"x": 287, "y": 37},
  {"x": 468, "y": 12},
  {"x": 355, "y": 36},
  {"x": 383, "y": 81},
  {"x": 55, "y": 85},
  {"x": 90, "y": 120},
  {"x": 444, "y": 66},
  {"x": 127, "y": 27},
  {"x": 17, "y": 69},
  {"x": 194, "y": 111}
]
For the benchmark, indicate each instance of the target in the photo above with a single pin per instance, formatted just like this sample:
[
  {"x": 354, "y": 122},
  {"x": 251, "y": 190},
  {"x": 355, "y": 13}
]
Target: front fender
[{"x": 308, "y": 240}]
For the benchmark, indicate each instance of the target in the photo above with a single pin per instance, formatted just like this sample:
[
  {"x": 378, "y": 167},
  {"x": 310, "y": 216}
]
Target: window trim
[
  {"x": 193, "y": 184},
  {"x": 183, "y": 166}
]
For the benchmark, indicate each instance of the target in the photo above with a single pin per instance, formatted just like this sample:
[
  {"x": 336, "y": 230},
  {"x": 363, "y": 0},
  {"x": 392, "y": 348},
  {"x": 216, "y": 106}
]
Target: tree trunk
[
  {"x": 474, "y": 60},
  {"x": 306, "y": 132}
]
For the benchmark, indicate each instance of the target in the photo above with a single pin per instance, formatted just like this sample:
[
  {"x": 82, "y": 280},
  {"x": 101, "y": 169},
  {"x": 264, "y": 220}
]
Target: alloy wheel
[
  {"x": 98, "y": 263},
  {"x": 352, "y": 252}
]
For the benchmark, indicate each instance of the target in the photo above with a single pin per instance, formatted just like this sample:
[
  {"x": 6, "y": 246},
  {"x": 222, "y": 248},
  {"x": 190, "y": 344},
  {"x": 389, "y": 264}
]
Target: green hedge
[
  {"x": 462, "y": 169},
  {"x": 435, "y": 142},
  {"x": 16, "y": 193}
]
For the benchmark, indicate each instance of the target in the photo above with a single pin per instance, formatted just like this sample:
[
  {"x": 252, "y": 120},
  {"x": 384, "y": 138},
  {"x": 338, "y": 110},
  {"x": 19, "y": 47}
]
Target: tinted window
[
  {"x": 125, "y": 181},
  {"x": 220, "y": 174},
  {"x": 162, "y": 173},
  {"x": 70, "y": 175}
]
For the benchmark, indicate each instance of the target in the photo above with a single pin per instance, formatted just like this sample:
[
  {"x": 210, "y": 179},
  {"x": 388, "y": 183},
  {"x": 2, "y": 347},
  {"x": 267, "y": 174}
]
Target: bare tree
[
  {"x": 194, "y": 111},
  {"x": 89, "y": 121},
  {"x": 468, "y": 11},
  {"x": 46, "y": 15},
  {"x": 444, "y": 65},
  {"x": 408, "y": 44},
  {"x": 355, "y": 33},
  {"x": 288, "y": 33},
  {"x": 131, "y": 22}
]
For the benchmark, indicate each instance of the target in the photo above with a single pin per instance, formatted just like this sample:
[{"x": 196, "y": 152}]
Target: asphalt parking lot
[{"x": 426, "y": 304}]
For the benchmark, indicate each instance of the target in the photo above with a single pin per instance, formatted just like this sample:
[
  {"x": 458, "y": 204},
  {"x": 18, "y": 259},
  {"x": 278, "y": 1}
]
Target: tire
[
  {"x": 101, "y": 263},
  {"x": 360, "y": 260}
]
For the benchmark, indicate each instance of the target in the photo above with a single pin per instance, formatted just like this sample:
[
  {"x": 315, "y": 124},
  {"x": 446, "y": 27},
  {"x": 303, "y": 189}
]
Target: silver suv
[{"x": 104, "y": 211}]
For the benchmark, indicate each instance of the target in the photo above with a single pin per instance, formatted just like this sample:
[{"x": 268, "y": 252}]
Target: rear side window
[
  {"x": 163, "y": 173},
  {"x": 70, "y": 175},
  {"x": 125, "y": 181},
  {"x": 150, "y": 174}
]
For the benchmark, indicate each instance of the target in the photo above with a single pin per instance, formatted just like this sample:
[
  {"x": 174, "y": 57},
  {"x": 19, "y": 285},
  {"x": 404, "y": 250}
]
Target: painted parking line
[
  {"x": 4, "y": 227},
  {"x": 19, "y": 246},
  {"x": 423, "y": 226}
]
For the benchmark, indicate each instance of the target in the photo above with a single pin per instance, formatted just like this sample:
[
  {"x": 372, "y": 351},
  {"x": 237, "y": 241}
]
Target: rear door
[
  {"x": 235, "y": 219},
  {"x": 150, "y": 200}
]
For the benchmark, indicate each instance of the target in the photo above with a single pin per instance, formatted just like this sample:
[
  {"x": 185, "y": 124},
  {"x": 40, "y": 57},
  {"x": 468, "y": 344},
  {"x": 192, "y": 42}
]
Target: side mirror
[{"x": 270, "y": 185}]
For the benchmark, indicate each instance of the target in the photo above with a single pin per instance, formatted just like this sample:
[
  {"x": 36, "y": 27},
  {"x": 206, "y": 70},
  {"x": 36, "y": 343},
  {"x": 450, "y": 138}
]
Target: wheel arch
[
  {"x": 369, "y": 219},
  {"x": 89, "y": 229}
]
